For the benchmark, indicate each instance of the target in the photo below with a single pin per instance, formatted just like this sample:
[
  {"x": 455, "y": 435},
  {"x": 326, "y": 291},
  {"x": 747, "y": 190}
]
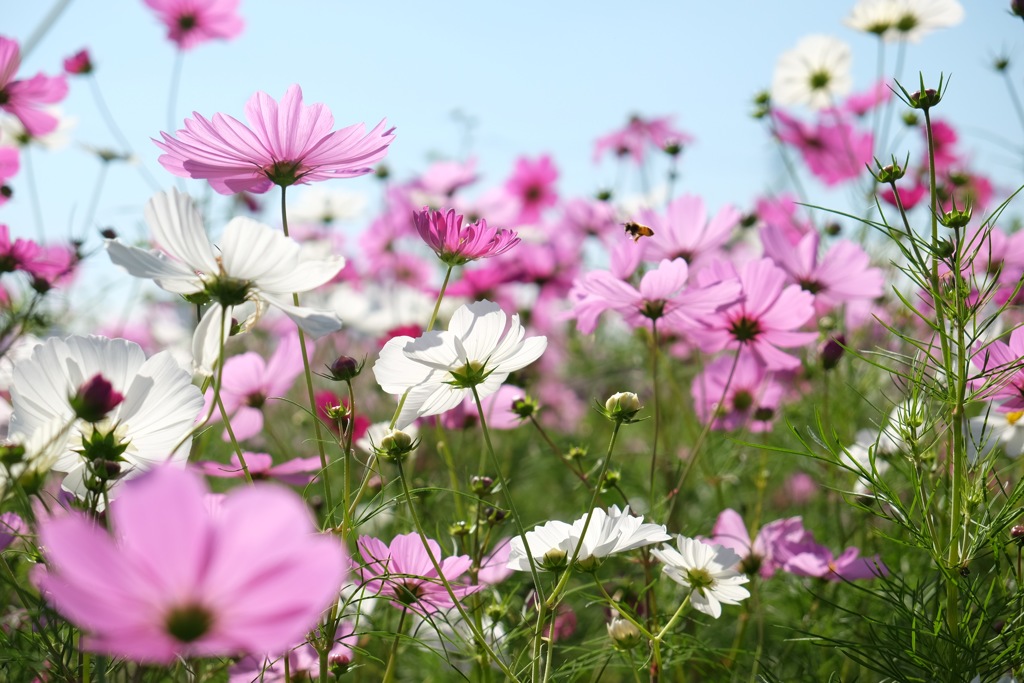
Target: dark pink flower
[
  {"x": 737, "y": 393},
  {"x": 638, "y": 135},
  {"x": 403, "y": 572},
  {"x": 23, "y": 98},
  {"x": 288, "y": 143},
  {"x": 79, "y": 63},
  {"x": 834, "y": 151},
  {"x": 178, "y": 580},
  {"x": 13, "y": 526},
  {"x": 533, "y": 184},
  {"x": 95, "y": 398},
  {"x": 191, "y": 22},
  {"x": 294, "y": 472},
  {"x": 456, "y": 244}
]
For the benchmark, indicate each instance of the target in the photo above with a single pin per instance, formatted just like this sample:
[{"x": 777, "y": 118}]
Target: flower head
[
  {"x": 254, "y": 263},
  {"x": 815, "y": 73},
  {"x": 191, "y": 22},
  {"x": 177, "y": 580},
  {"x": 908, "y": 20},
  {"x": 456, "y": 244},
  {"x": 707, "y": 571},
  {"x": 79, "y": 63},
  {"x": 533, "y": 184},
  {"x": 23, "y": 97},
  {"x": 286, "y": 143},
  {"x": 403, "y": 572},
  {"x": 440, "y": 369},
  {"x": 158, "y": 408}
]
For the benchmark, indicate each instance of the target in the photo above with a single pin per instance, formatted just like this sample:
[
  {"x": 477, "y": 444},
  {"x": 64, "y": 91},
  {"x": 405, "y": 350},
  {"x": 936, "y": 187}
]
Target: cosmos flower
[
  {"x": 440, "y": 369},
  {"x": 177, "y": 580},
  {"x": 816, "y": 73},
  {"x": 609, "y": 532},
  {"x": 254, "y": 263},
  {"x": 403, "y": 572},
  {"x": 286, "y": 143},
  {"x": 639, "y": 134},
  {"x": 294, "y": 472},
  {"x": 456, "y": 244},
  {"x": 707, "y": 570},
  {"x": 23, "y": 97},
  {"x": 157, "y": 412},
  {"x": 775, "y": 543},
  {"x": 191, "y": 22},
  {"x": 908, "y": 20},
  {"x": 686, "y": 231},
  {"x": 533, "y": 184}
]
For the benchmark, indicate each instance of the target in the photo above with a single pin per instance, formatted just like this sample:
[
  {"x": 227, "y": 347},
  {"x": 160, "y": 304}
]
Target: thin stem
[
  {"x": 657, "y": 407},
  {"x": 220, "y": 403},
  {"x": 172, "y": 96},
  {"x": 325, "y": 476},
  {"x": 656, "y": 640},
  {"x": 33, "y": 193},
  {"x": 45, "y": 25},
  {"x": 1014, "y": 97},
  {"x": 389, "y": 671},
  {"x": 115, "y": 130},
  {"x": 90, "y": 213}
]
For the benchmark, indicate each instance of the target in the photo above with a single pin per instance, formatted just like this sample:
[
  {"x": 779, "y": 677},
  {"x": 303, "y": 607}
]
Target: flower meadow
[{"x": 492, "y": 431}]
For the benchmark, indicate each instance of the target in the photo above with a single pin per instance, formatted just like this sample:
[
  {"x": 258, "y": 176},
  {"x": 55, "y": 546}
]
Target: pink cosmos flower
[
  {"x": 24, "y": 97},
  {"x": 191, "y": 22},
  {"x": 9, "y": 166},
  {"x": 79, "y": 63},
  {"x": 533, "y": 183},
  {"x": 844, "y": 275},
  {"x": 663, "y": 294},
  {"x": 638, "y": 135},
  {"x": 820, "y": 562},
  {"x": 403, "y": 572},
  {"x": 12, "y": 526},
  {"x": 685, "y": 231},
  {"x": 178, "y": 580},
  {"x": 294, "y": 472},
  {"x": 444, "y": 178},
  {"x": 775, "y": 544},
  {"x": 1001, "y": 371},
  {"x": 861, "y": 103},
  {"x": 456, "y": 244},
  {"x": 738, "y": 393},
  {"x": 834, "y": 151},
  {"x": 248, "y": 381},
  {"x": 288, "y": 143},
  {"x": 764, "y": 319}
]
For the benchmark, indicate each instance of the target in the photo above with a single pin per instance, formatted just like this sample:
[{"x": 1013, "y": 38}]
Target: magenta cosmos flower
[
  {"x": 1001, "y": 371},
  {"x": 286, "y": 143},
  {"x": 24, "y": 97},
  {"x": 533, "y": 185},
  {"x": 403, "y": 572},
  {"x": 191, "y": 22},
  {"x": 178, "y": 580},
  {"x": 456, "y": 244}
]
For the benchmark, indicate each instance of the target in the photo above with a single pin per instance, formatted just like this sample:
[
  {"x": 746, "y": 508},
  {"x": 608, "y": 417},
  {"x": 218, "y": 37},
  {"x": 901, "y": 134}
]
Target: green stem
[
  {"x": 656, "y": 640},
  {"x": 318, "y": 435},
  {"x": 389, "y": 671},
  {"x": 657, "y": 408}
]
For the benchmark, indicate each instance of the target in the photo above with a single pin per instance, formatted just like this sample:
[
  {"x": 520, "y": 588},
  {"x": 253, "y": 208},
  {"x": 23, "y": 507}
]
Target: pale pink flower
[
  {"x": 775, "y": 543},
  {"x": 294, "y": 472},
  {"x": 686, "y": 232},
  {"x": 765, "y": 319},
  {"x": 444, "y": 178},
  {"x": 248, "y": 381},
  {"x": 663, "y": 296},
  {"x": 533, "y": 184},
  {"x": 737, "y": 393},
  {"x": 23, "y": 97},
  {"x": 403, "y": 572},
  {"x": 177, "y": 580},
  {"x": 820, "y": 562},
  {"x": 10, "y": 163},
  {"x": 191, "y": 22},
  {"x": 1001, "y": 371},
  {"x": 288, "y": 143},
  {"x": 833, "y": 150},
  {"x": 456, "y": 244},
  {"x": 638, "y": 135}
]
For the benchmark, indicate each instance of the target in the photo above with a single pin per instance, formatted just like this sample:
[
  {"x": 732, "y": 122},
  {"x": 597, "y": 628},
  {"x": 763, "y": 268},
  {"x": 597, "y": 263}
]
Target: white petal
[
  {"x": 178, "y": 229},
  {"x": 314, "y": 322},
  {"x": 169, "y": 275}
]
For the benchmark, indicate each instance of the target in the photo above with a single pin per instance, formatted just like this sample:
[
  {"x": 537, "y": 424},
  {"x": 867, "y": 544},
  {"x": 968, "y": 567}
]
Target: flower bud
[
  {"x": 611, "y": 480},
  {"x": 525, "y": 407},
  {"x": 956, "y": 219},
  {"x": 624, "y": 633},
  {"x": 604, "y": 195},
  {"x": 621, "y": 407},
  {"x": 460, "y": 528},
  {"x": 79, "y": 63},
  {"x": 495, "y": 515},
  {"x": 481, "y": 485},
  {"x": 832, "y": 351},
  {"x": 11, "y": 454},
  {"x": 108, "y": 234},
  {"x": 576, "y": 453},
  {"x": 396, "y": 446},
  {"x": 1017, "y": 534},
  {"x": 344, "y": 369},
  {"x": 1017, "y": 8},
  {"x": 556, "y": 558},
  {"x": 910, "y": 119},
  {"x": 382, "y": 172},
  {"x": 95, "y": 399},
  {"x": 925, "y": 99}
]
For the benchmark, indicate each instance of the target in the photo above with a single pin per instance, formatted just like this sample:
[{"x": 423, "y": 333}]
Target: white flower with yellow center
[
  {"x": 707, "y": 571},
  {"x": 254, "y": 263},
  {"x": 816, "y": 73}
]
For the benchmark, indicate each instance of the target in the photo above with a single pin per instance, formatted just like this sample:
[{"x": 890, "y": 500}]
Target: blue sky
[{"x": 536, "y": 77}]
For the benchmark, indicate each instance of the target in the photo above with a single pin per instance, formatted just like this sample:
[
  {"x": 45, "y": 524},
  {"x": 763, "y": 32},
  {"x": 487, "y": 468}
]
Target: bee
[{"x": 636, "y": 230}]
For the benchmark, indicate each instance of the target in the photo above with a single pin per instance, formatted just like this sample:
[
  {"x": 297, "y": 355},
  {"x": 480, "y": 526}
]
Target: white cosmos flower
[
  {"x": 707, "y": 571},
  {"x": 908, "y": 20},
  {"x": 609, "y": 532},
  {"x": 993, "y": 428},
  {"x": 159, "y": 409},
  {"x": 440, "y": 369},
  {"x": 254, "y": 263},
  {"x": 815, "y": 73}
]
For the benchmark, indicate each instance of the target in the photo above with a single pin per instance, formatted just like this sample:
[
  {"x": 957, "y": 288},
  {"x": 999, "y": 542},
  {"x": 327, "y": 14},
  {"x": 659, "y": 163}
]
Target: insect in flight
[{"x": 636, "y": 230}]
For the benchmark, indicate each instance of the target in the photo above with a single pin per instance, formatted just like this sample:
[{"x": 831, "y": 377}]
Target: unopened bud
[
  {"x": 1017, "y": 8},
  {"x": 925, "y": 99},
  {"x": 603, "y": 195},
  {"x": 1017, "y": 534},
  {"x": 382, "y": 172},
  {"x": 495, "y": 515},
  {"x": 481, "y": 485},
  {"x": 108, "y": 233},
  {"x": 556, "y": 558},
  {"x": 621, "y": 407},
  {"x": 460, "y": 528},
  {"x": 95, "y": 399},
  {"x": 624, "y": 633},
  {"x": 525, "y": 407},
  {"x": 576, "y": 453},
  {"x": 396, "y": 446},
  {"x": 344, "y": 369},
  {"x": 832, "y": 351},
  {"x": 956, "y": 219}
]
